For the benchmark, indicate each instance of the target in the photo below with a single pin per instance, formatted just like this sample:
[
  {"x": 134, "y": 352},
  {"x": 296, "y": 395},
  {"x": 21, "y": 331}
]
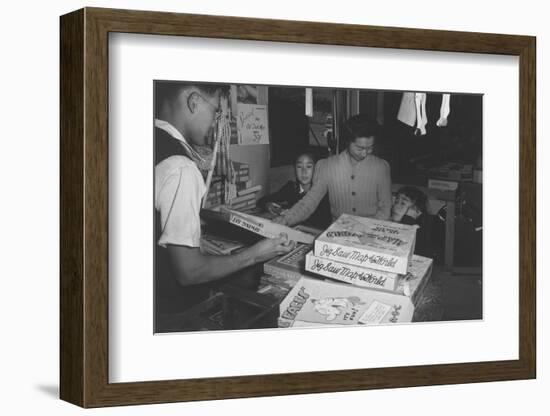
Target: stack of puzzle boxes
[{"x": 375, "y": 258}]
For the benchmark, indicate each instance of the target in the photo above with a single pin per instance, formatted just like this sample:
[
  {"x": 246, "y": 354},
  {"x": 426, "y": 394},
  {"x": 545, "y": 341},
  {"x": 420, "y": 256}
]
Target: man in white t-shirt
[{"x": 185, "y": 114}]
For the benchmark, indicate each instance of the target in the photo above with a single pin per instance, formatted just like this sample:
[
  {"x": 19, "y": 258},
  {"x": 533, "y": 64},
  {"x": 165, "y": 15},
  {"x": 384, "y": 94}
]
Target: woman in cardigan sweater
[{"x": 357, "y": 181}]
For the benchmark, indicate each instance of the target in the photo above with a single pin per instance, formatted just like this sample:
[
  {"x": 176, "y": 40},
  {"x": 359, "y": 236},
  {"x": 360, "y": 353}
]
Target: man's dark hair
[
  {"x": 418, "y": 197},
  {"x": 361, "y": 125},
  {"x": 168, "y": 91}
]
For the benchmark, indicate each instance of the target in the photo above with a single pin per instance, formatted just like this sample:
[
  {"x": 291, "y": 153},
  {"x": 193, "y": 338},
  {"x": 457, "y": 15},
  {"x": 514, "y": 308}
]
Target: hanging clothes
[
  {"x": 412, "y": 111},
  {"x": 444, "y": 111},
  {"x": 407, "y": 109},
  {"x": 421, "y": 118}
]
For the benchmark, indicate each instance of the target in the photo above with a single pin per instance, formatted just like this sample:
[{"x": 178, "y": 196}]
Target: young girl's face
[{"x": 304, "y": 170}]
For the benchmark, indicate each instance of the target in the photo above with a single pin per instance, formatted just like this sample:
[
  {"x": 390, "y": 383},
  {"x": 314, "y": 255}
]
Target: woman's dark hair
[
  {"x": 361, "y": 125},
  {"x": 416, "y": 195},
  {"x": 168, "y": 91}
]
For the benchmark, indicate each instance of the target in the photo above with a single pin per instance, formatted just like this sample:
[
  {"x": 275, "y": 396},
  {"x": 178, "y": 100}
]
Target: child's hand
[
  {"x": 273, "y": 208},
  {"x": 399, "y": 210},
  {"x": 413, "y": 212}
]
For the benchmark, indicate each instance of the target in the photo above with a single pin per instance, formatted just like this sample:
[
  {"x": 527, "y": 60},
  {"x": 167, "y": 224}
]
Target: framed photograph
[{"x": 255, "y": 207}]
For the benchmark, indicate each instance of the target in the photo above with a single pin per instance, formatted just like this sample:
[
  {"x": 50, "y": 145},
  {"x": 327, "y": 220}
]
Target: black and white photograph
[
  {"x": 302, "y": 206},
  {"x": 275, "y": 208}
]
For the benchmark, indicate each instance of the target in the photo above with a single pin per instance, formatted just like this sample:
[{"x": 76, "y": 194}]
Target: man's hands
[
  {"x": 271, "y": 247},
  {"x": 193, "y": 267}
]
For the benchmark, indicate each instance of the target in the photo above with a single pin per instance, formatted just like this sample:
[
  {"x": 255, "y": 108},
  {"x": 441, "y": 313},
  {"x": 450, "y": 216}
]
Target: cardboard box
[
  {"x": 314, "y": 302},
  {"x": 267, "y": 228},
  {"x": 249, "y": 190},
  {"x": 356, "y": 275},
  {"x": 367, "y": 242},
  {"x": 478, "y": 176},
  {"x": 244, "y": 198},
  {"x": 243, "y": 185},
  {"x": 291, "y": 266},
  {"x": 275, "y": 287},
  {"x": 442, "y": 185},
  {"x": 213, "y": 244},
  {"x": 411, "y": 284},
  {"x": 242, "y": 206}
]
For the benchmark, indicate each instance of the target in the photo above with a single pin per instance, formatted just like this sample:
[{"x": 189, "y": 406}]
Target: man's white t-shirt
[{"x": 179, "y": 188}]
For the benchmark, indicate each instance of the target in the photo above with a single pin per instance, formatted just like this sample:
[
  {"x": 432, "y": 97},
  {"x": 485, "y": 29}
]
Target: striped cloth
[{"x": 363, "y": 189}]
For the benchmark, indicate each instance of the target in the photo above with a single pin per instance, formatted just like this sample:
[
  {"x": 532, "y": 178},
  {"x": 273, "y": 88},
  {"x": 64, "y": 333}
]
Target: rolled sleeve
[{"x": 178, "y": 198}]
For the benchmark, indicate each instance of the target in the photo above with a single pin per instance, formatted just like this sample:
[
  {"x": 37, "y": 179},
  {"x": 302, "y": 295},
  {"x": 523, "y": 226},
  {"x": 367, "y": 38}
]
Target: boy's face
[
  {"x": 209, "y": 109},
  {"x": 401, "y": 205},
  {"x": 403, "y": 201},
  {"x": 200, "y": 113},
  {"x": 304, "y": 170}
]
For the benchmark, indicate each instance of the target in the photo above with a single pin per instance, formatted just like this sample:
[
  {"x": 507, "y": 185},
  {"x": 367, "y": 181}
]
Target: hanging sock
[
  {"x": 421, "y": 118},
  {"x": 444, "y": 111}
]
